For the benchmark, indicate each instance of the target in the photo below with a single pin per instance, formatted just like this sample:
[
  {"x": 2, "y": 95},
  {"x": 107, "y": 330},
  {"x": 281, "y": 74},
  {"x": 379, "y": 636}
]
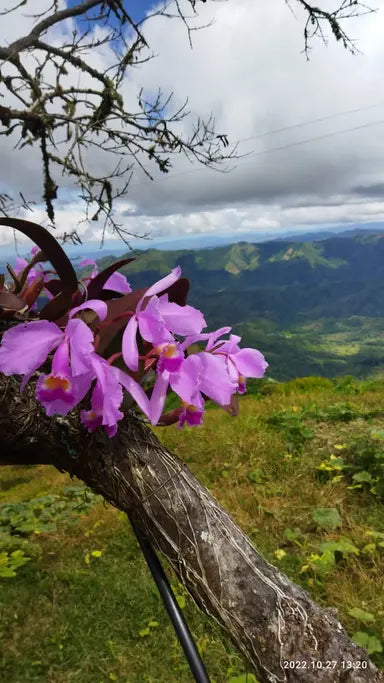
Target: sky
[{"x": 313, "y": 131}]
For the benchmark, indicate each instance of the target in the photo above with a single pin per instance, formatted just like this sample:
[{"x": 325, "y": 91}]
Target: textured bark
[{"x": 268, "y": 617}]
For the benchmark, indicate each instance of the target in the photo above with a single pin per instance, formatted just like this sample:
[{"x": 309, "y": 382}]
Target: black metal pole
[{"x": 179, "y": 624}]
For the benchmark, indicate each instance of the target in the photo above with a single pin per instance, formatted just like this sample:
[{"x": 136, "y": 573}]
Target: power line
[
  {"x": 308, "y": 123},
  {"x": 268, "y": 151},
  {"x": 314, "y": 139}
]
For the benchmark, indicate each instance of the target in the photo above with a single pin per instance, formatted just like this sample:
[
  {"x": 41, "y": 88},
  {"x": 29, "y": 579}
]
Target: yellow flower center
[
  {"x": 52, "y": 383},
  {"x": 168, "y": 350},
  {"x": 189, "y": 407}
]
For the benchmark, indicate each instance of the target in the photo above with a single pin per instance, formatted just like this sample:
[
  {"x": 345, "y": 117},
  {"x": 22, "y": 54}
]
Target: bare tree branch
[
  {"x": 69, "y": 122},
  {"x": 317, "y": 17}
]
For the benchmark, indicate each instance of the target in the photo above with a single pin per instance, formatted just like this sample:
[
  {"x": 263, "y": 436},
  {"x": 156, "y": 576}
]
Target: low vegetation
[{"x": 305, "y": 464}]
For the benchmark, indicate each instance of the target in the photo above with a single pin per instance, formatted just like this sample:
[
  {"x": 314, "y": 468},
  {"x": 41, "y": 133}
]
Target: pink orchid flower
[
  {"x": 26, "y": 347},
  {"x": 34, "y": 274},
  {"x": 192, "y": 415},
  {"x": 240, "y": 363},
  {"x": 200, "y": 373},
  {"x": 107, "y": 396},
  {"x": 159, "y": 321},
  {"x": 75, "y": 365},
  {"x": 171, "y": 356},
  {"x": 117, "y": 282},
  {"x": 218, "y": 372},
  {"x": 106, "y": 399}
]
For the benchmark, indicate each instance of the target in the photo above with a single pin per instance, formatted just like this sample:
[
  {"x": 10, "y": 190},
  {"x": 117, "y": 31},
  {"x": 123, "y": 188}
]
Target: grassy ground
[{"x": 305, "y": 464}]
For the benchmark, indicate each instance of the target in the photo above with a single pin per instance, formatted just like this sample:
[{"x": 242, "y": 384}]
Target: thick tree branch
[
  {"x": 268, "y": 617},
  {"x": 28, "y": 41}
]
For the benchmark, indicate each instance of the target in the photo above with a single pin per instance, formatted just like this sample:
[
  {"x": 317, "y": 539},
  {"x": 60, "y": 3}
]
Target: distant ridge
[
  {"x": 312, "y": 307},
  {"x": 203, "y": 241}
]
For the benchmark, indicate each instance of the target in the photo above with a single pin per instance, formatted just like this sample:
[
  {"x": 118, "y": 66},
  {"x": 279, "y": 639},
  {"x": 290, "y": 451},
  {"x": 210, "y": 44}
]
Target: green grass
[{"x": 68, "y": 615}]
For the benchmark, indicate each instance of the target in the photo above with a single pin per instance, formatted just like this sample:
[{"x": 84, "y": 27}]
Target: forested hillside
[{"x": 313, "y": 308}]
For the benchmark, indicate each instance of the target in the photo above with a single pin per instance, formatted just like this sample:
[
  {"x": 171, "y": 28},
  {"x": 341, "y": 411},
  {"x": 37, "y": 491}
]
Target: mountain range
[{"x": 312, "y": 307}]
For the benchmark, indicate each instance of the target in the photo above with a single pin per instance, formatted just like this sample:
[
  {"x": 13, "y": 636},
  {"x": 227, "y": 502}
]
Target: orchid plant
[{"x": 97, "y": 337}]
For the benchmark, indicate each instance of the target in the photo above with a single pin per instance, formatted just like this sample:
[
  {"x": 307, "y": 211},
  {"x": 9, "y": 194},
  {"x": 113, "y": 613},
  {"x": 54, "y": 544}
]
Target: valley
[{"x": 312, "y": 308}]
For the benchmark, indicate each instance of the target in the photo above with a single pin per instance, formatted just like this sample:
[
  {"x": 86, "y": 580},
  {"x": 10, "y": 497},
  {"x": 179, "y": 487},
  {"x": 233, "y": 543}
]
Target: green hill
[{"x": 311, "y": 307}]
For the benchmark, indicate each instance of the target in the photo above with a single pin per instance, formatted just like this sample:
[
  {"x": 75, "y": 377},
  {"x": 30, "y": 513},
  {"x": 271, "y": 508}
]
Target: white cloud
[{"x": 249, "y": 70}]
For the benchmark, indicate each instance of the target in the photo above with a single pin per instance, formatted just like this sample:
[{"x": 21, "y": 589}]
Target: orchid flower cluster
[{"x": 157, "y": 337}]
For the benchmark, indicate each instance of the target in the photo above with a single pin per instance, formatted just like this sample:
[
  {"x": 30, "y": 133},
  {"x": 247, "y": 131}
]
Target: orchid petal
[
  {"x": 25, "y": 380},
  {"x": 151, "y": 324},
  {"x": 58, "y": 403},
  {"x": 100, "y": 308},
  {"x": 21, "y": 264},
  {"x": 81, "y": 344},
  {"x": 59, "y": 391},
  {"x": 161, "y": 285},
  {"x": 26, "y": 346},
  {"x": 90, "y": 419},
  {"x": 193, "y": 418},
  {"x": 111, "y": 430},
  {"x": 56, "y": 394},
  {"x": 158, "y": 397},
  {"x": 33, "y": 275},
  {"x": 88, "y": 262},
  {"x": 171, "y": 357},
  {"x": 117, "y": 282},
  {"x": 232, "y": 369},
  {"x": 210, "y": 336},
  {"x": 215, "y": 381},
  {"x": 107, "y": 393},
  {"x": 134, "y": 389},
  {"x": 181, "y": 319},
  {"x": 229, "y": 347},
  {"x": 215, "y": 335},
  {"x": 250, "y": 363},
  {"x": 129, "y": 345},
  {"x": 153, "y": 329},
  {"x": 60, "y": 361},
  {"x": 186, "y": 382},
  {"x": 194, "y": 338}
]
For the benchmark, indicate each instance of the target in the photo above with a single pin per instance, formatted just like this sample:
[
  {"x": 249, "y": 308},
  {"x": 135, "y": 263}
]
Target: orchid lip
[{"x": 53, "y": 388}]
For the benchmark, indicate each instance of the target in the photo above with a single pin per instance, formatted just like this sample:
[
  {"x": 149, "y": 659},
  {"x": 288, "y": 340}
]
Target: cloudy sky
[{"x": 313, "y": 130}]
